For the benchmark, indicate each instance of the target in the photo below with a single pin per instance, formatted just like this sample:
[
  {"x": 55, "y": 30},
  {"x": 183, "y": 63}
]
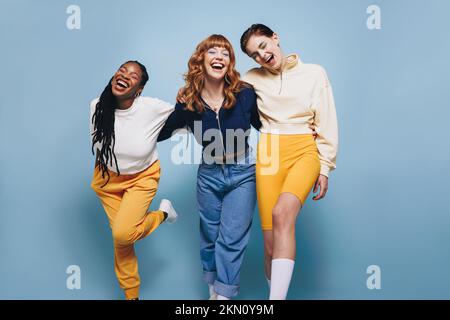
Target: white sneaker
[
  {"x": 212, "y": 293},
  {"x": 167, "y": 207},
  {"x": 213, "y": 296}
]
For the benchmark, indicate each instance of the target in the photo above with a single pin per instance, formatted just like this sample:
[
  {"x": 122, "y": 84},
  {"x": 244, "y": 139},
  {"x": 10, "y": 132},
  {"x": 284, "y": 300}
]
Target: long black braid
[{"x": 103, "y": 120}]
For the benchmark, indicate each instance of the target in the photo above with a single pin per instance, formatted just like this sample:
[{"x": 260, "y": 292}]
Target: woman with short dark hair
[{"x": 294, "y": 100}]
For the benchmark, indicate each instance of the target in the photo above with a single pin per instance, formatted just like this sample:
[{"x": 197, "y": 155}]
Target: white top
[
  {"x": 295, "y": 99},
  {"x": 136, "y": 132}
]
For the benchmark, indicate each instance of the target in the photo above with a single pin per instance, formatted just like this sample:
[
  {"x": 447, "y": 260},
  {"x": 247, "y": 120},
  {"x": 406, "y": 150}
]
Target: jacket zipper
[
  {"x": 281, "y": 82},
  {"x": 220, "y": 128}
]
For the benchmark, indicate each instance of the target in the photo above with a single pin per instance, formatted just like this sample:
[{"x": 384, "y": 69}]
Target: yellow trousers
[{"x": 126, "y": 199}]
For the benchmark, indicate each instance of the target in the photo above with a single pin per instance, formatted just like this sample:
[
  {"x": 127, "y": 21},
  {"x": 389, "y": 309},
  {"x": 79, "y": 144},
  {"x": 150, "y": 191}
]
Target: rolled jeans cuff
[
  {"x": 226, "y": 290},
  {"x": 209, "y": 276}
]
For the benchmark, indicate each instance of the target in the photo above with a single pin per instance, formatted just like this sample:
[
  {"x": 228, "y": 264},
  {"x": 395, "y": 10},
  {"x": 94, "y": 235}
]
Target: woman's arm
[
  {"x": 96, "y": 158},
  {"x": 325, "y": 123},
  {"x": 175, "y": 121},
  {"x": 254, "y": 118}
]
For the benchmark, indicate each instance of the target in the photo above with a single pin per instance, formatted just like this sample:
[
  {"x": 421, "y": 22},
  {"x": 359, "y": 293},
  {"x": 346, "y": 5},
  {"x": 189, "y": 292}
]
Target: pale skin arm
[
  {"x": 182, "y": 99},
  {"x": 321, "y": 186},
  {"x": 321, "y": 183},
  {"x": 180, "y": 95}
]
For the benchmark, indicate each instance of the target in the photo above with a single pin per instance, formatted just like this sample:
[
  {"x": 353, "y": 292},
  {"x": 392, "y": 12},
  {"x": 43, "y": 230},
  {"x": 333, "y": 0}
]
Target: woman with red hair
[{"x": 219, "y": 109}]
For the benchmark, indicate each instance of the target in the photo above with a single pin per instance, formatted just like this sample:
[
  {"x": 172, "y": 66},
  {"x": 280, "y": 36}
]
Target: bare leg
[
  {"x": 284, "y": 216},
  {"x": 268, "y": 250}
]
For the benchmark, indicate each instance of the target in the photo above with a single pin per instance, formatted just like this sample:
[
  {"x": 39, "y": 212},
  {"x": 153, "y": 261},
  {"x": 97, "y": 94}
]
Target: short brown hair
[{"x": 255, "y": 29}]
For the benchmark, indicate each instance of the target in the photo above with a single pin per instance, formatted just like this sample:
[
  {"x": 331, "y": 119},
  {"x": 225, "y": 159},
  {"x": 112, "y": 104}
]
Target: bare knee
[{"x": 283, "y": 218}]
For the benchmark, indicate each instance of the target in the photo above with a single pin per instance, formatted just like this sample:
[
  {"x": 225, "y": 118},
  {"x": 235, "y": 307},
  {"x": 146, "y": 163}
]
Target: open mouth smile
[
  {"x": 218, "y": 66},
  {"x": 269, "y": 59},
  {"x": 122, "y": 84}
]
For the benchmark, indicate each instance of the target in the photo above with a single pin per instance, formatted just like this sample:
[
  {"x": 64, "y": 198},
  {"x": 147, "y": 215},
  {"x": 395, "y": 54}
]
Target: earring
[{"x": 227, "y": 80}]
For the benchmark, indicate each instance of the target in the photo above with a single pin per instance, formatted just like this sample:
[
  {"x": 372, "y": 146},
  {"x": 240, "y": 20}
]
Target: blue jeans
[{"x": 226, "y": 195}]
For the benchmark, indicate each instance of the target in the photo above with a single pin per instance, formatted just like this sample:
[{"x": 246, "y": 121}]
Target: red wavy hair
[{"x": 195, "y": 75}]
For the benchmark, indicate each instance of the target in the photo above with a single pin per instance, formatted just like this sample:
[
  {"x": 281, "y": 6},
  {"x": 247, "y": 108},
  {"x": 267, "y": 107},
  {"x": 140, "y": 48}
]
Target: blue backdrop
[{"x": 387, "y": 203}]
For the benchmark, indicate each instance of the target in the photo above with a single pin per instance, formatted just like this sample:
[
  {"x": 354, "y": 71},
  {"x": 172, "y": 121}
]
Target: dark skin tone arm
[{"x": 96, "y": 158}]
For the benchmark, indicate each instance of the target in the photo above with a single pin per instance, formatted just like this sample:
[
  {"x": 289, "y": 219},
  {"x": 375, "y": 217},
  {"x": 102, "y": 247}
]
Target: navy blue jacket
[{"x": 243, "y": 114}]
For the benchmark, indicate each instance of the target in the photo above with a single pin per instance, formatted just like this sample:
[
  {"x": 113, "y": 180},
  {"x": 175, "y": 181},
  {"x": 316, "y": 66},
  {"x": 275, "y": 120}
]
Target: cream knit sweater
[{"x": 295, "y": 99}]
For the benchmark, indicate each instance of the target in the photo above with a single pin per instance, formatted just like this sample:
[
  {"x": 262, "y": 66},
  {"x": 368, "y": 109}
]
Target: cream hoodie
[{"x": 291, "y": 101}]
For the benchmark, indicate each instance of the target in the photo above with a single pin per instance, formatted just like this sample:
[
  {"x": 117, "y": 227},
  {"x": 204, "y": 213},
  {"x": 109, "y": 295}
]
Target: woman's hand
[
  {"x": 322, "y": 185},
  {"x": 180, "y": 96}
]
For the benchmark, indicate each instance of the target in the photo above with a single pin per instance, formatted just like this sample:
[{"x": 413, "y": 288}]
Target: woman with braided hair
[{"x": 124, "y": 128}]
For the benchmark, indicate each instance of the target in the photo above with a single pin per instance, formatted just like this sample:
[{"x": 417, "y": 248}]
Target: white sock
[
  {"x": 281, "y": 278},
  {"x": 211, "y": 290},
  {"x": 219, "y": 297}
]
